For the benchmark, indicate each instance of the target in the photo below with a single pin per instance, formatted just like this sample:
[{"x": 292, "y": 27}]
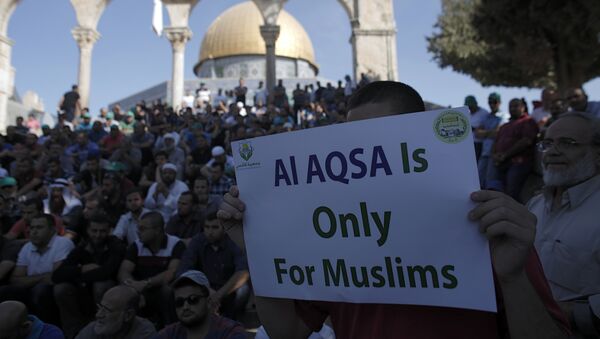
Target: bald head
[
  {"x": 121, "y": 297},
  {"x": 14, "y": 314}
]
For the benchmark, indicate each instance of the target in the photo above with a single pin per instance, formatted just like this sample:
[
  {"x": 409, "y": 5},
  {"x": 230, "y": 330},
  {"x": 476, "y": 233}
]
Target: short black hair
[
  {"x": 50, "y": 222},
  {"x": 195, "y": 200},
  {"x": 99, "y": 217},
  {"x": 403, "y": 97},
  {"x": 156, "y": 218},
  {"x": 211, "y": 216},
  {"x": 134, "y": 190}
]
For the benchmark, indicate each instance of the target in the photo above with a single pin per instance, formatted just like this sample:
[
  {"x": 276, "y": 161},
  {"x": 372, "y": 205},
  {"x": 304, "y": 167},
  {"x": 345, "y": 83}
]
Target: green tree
[{"x": 531, "y": 43}]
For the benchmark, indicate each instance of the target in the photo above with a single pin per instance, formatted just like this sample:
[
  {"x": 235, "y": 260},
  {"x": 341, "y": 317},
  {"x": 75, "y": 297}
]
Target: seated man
[
  {"x": 16, "y": 323},
  {"x": 9, "y": 249},
  {"x": 89, "y": 271},
  {"x": 219, "y": 183},
  {"x": 224, "y": 263},
  {"x": 189, "y": 220},
  {"x": 31, "y": 279},
  {"x": 163, "y": 196},
  {"x": 526, "y": 307},
  {"x": 150, "y": 264},
  {"x": 568, "y": 228},
  {"x": 116, "y": 317},
  {"x": 207, "y": 203},
  {"x": 30, "y": 208},
  {"x": 127, "y": 227},
  {"x": 195, "y": 317}
]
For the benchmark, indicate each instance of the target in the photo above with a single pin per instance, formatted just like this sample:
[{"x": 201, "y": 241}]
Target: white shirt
[
  {"x": 167, "y": 206},
  {"x": 539, "y": 114},
  {"x": 204, "y": 96},
  {"x": 568, "y": 243},
  {"x": 39, "y": 263},
  {"x": 477, "y": 119},
  {"x": 127, "y": 227}
]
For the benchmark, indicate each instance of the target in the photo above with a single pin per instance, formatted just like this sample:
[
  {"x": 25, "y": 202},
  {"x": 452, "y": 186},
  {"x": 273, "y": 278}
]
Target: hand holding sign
[{"x": 509, "y": 226}]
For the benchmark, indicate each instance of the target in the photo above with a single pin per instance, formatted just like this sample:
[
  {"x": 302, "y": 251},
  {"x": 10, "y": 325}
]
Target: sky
[{"x": 129, "y": 57}]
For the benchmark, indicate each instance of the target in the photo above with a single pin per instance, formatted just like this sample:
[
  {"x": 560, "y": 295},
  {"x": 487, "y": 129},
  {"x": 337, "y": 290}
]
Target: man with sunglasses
[
  {"x": 116, "y": 317},
  {"x": 196, "y": 319},
  {"x": 568, "y": 227}
]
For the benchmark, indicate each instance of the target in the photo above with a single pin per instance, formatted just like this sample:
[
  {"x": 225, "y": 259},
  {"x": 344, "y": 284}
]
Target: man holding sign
[{"x": 525, "y": 303}]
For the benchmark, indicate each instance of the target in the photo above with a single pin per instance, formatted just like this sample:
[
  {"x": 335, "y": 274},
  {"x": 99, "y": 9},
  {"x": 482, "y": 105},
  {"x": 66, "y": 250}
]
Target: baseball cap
[
  {"x": 169, "y": 136},
  {"x": 86, "y": 115},
  {"x": 8, "y": 181},
  {"x": 196, "y": 277},
  {"x": 110, "y": 115},
  {"x": 470, "y": 100},
  {"x": 217, "y": 150},
  {"x": 494, "y": 96}
]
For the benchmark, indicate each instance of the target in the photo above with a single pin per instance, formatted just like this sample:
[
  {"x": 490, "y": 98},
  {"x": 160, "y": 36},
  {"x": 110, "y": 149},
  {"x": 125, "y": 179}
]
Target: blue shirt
[
  {"x": 41, "y": 330},
  {"x": 491, "y": 122}
]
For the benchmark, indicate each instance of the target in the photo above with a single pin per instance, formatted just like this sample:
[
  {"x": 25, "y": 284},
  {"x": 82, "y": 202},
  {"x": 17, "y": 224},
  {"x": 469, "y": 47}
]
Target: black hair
[
  {"x": 138, "y": 190},
  {"x": 156, "y": 218},
  {"x": 195, "y": 200},
  {"x": 50, "y": 222},
  {"x": 404, "y": 98},
  {"x": 211, "y": 216}
]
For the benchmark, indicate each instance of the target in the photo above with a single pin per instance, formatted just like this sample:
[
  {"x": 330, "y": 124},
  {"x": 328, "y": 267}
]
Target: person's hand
[
  {"x": 510, "y": 228},
  {"x": 214, "y": 301},
  {"x": 231, "y": 211},
  {"x": 162, "y": 189},
  {"x": 89, "y": 267}
]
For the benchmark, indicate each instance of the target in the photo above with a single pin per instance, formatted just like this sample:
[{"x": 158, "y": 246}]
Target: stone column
[
  {"x": 7, "y": 8},
  {"x": 270, "y": 33},
  {"x": 85, "y": 38},
  {"x": 178, "y": 36},
  {"x": 88, "y": 13},
  {"x": 373, "y": 38},
  {"x": 5, "y": 80},
  {"x": 270, "y": 9}
]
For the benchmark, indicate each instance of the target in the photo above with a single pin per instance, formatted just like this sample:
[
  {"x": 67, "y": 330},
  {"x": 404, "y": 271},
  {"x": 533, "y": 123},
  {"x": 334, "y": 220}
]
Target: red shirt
[
  {"x": 366, "y": 321},
  {"x": 21, "y": 228},
  {"x": 513, "y": 131},
  {"x": 112, "y": 143}
]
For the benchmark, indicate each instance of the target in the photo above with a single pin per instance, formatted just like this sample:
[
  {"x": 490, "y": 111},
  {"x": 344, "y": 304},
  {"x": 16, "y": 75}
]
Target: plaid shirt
[
  {"x": 220, "y": 187},
  {"x": 220, "y": 328}
]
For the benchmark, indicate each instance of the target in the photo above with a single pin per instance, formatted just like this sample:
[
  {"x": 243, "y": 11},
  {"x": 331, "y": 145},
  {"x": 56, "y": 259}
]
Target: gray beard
[{"x": 579, "y": 172}]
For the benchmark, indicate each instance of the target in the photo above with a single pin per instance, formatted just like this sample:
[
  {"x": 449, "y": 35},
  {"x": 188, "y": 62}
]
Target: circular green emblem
[{"x": 451, "y": 127}]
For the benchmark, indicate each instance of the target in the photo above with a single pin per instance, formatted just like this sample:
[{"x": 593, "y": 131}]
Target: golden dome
[{"x": 237, "y": 32}]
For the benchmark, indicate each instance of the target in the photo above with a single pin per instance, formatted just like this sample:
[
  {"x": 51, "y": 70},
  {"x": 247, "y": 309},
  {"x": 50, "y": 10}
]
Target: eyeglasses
[
  {"x": 561, "y": 145},
  {"x": 101, "y": 307},
  {"x": 191, "y": 300}
]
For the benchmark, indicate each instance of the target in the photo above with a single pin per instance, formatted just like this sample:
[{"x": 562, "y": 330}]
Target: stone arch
[{"x": 373, "y": 34}]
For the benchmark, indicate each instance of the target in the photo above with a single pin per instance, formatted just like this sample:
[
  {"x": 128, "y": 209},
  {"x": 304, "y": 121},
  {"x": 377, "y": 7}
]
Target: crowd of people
[{"x": 115, "y": 226}]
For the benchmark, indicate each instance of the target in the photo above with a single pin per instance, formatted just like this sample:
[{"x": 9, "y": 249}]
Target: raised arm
[
  {"x": 277, "y": 315},
  {"x": 510, "y": 228}
]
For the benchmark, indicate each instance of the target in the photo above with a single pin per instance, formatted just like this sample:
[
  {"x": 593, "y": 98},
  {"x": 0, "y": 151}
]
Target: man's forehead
[{"x": 569, "y": 127}]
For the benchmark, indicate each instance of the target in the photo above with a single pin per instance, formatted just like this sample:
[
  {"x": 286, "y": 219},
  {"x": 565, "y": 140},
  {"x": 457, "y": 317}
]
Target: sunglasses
[{"x": 191, "y": 300}]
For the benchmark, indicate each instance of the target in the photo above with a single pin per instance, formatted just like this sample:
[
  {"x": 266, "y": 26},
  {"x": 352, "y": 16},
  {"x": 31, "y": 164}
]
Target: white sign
[{"x": 373, "y": 211}]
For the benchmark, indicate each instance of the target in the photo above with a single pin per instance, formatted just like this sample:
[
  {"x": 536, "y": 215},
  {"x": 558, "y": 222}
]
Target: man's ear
[{"x": 129, "y": 315}]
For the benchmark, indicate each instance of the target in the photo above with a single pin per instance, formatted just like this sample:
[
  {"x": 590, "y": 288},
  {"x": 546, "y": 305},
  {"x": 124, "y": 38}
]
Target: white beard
[{"x": 572, "y": 175}]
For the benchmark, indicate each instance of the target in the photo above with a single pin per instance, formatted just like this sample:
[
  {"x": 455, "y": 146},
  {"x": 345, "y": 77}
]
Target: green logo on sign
[
  {"x": 451, "y": 127},
  {"x": 246, "y": 150}
]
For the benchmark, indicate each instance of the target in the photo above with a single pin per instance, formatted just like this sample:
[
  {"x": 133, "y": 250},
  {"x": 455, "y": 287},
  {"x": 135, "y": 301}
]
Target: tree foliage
[{"x": 531, "y": 43}]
